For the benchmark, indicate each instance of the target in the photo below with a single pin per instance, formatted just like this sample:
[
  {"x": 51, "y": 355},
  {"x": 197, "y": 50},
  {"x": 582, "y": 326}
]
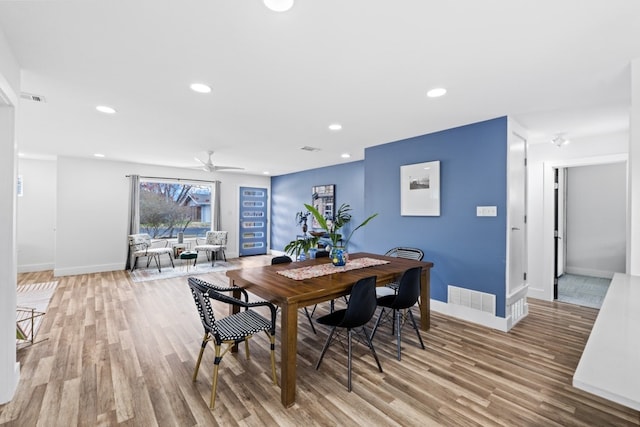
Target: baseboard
[
  {"x": 470, "y": 315},
  {"x": 541, "y": 294},
  {"x": 87, "y": 269},
  {"x": 30, "y": 268}
]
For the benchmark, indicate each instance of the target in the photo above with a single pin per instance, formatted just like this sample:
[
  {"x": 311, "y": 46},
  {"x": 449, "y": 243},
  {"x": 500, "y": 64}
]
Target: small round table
[{"x": 187, "y": 256}]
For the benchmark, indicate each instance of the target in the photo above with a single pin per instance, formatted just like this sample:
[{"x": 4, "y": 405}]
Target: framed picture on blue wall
[
  {"x": 323, "y": 198},
  {"x": 420, "y": 189}
]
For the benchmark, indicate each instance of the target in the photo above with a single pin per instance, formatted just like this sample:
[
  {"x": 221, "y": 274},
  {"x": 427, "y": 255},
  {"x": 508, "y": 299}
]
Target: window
[{"x": 168, "y": 208}]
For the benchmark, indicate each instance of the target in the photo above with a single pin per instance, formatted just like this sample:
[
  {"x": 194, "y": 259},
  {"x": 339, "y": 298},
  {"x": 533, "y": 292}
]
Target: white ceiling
[{"x": 279, "y": 79}]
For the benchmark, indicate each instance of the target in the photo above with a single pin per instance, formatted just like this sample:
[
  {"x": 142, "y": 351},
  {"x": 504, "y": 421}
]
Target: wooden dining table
[{"x": 290, "y": 295}]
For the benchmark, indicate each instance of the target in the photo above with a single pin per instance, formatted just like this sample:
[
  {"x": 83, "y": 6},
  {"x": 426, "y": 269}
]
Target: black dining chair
[
  {"x": 359, "y": 311},
  {"x": 325, "y": 254},
  {"x": 399, "y": 252},
  {"x": 230, "y": 330},
  {"x": 322, "y": 254},
  {"x": 284, "y": 259},
  {"x": 399, "y": 305}
]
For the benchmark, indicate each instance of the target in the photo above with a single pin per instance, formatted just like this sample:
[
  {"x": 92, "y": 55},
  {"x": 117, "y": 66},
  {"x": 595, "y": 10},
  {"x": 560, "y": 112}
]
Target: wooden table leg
[
  {"x": 425, "y": 299},
  {"x": 288, "y": 354},
  {"x": 233, "y": 309}
]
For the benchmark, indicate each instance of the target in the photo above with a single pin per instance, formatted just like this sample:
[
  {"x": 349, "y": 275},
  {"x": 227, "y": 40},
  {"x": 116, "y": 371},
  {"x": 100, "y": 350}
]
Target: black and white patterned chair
[
  {"x": 215, "y": 241},
  {"x": 230, "y": 330},
  {"x": 141, "y": 245}
]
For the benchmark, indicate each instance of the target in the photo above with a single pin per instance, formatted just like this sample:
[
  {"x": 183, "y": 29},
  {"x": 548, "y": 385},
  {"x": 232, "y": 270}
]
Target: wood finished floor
[{"x": 122, "y": 353}]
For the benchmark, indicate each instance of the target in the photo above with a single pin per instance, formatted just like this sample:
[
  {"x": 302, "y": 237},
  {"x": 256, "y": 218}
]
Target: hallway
[{"x": 582, "y": 290}]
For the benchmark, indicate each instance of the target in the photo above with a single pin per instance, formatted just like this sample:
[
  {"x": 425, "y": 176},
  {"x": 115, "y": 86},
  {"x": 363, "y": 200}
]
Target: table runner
[{"x": 326, "y": 269}]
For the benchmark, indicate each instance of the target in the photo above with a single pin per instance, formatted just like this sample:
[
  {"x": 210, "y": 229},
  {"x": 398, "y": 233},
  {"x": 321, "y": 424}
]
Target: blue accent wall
[
  {"x": 468, "y": 251},
  {"x": 290, "y": 192}
]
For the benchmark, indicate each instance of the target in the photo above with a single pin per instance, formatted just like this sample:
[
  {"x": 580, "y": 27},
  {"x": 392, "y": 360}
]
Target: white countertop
[{"x": 610, "y": 364}]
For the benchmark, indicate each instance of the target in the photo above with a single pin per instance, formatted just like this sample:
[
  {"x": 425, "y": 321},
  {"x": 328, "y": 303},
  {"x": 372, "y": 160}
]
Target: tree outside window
[{"x": 169, "y": 208}]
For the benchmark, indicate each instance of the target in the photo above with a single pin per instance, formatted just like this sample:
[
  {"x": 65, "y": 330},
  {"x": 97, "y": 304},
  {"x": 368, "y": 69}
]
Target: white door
[
  {"x": 516, "y": 220},
  {"x": 560, "y": 248}
]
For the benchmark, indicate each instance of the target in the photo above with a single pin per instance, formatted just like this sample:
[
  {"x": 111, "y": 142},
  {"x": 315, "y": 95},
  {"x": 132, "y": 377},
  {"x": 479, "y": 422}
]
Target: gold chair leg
[
  {"x": 204, "y": 344},
  {"x": 246, "y": 347},
  {"x": 214, "y": 385}
]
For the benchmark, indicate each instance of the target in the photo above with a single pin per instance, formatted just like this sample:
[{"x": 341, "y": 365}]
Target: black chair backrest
[
  {"x": 283, "y": 259},
  {"x": 409, "y": 253},
  {"x": 362, "y": 303},
  {"x": 199, "y": 291},
  {"x": 408, "y": 289},
  {"x": 322, "y": 254}
]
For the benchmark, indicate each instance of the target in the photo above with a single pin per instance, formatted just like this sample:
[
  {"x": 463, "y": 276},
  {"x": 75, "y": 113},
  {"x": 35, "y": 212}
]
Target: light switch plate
[{"x": 486, "y": 211}]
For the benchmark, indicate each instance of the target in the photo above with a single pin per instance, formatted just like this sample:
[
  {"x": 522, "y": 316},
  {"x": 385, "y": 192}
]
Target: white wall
[
  {"x": 543, "y": 158},
  {"x": 633, "y": 254},
  {"x": 9, "y": 89},
  {"x": 596, "y": 234},
  {"x": 36, "y": 211},
  {"x": 92, "y": 210}
]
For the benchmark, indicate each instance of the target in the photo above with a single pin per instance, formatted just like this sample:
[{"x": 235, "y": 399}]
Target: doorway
[
  {"x": 253, "y": 221},
  {"x": 589, "y": 231}
]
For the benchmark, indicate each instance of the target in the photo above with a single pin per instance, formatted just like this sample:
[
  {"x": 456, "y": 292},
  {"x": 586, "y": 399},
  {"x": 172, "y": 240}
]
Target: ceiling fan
[{"x": 208, "y": 166}]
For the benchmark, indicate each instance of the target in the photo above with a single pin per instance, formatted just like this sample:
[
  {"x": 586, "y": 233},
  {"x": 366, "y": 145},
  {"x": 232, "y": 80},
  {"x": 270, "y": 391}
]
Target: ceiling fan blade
[
  {"x": 219, "y": 168},
  {"x": 209, "y": 166}
]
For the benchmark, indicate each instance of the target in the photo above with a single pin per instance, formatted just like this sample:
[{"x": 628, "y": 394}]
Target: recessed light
[
  {"x": 436, "y": 92},
  {"x": 279, "y": 5},
  {"x": 200, "y": 88},
  {"x": 105, "y": 109},
  {"x": 335, "y": 126},
  {"x": 266, "y": 172},
  {"x": 345, "y": 155},
  {"x": 98, "y": 155}
]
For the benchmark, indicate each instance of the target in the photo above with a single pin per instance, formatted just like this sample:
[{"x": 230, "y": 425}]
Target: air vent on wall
[
  {"x": 307, "y": 148},
  {"x": 32, "y": 97},
  {"x": 475, "y": 300}
]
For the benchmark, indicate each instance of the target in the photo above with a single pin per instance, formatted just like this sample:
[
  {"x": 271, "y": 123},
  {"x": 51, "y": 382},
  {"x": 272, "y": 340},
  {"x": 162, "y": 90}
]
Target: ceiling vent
[
  {"x": 32, "y": 97},
  {"x": 307, "y": 148}
]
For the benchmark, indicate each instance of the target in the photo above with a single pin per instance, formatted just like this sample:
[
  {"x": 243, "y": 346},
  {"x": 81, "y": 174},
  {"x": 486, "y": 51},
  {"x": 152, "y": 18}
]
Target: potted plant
[
  {"x": 301, "y": 219},
  {"x": 333, "y": 226},
  {"x": 301, "y": 246}
]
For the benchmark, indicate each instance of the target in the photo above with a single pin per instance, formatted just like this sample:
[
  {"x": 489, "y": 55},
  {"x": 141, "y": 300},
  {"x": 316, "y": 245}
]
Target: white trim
[
  {"x": 588, "y": 161},
  {"x": 7, "y": 95},
  {"x": 9, "y": 367},
  {"x": 471, "y": 315},
  {"x": 29, "y": 268},
  {"x": 515, "y": 130},
  {"x": 546, "y": 293},
  {"x": 88, "y": 269},
  {"x": 519, "y": 293}
]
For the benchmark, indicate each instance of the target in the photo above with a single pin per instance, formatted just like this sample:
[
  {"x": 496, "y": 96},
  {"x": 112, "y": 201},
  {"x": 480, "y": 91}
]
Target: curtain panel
[
  {"x": 134, "y": 212},
  {"x": 215, "y": 209}
]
